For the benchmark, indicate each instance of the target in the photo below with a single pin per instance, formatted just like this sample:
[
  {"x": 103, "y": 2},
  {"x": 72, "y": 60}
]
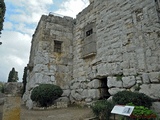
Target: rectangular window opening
[{"x": 58, "y": 46}]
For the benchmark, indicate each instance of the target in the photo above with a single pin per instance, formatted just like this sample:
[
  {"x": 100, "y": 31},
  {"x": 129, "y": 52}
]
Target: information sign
[{"x": 122, "y": 110}]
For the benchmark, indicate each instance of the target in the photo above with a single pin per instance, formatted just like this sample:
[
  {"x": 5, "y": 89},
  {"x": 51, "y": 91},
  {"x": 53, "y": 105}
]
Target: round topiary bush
[
  {"x": 45, "y": 94},
  {"x": 138, "y": 99}
]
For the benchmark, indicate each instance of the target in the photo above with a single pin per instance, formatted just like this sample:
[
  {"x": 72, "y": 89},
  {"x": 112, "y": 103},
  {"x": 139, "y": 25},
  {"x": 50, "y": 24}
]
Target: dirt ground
[{"x": 70, "y": 113}]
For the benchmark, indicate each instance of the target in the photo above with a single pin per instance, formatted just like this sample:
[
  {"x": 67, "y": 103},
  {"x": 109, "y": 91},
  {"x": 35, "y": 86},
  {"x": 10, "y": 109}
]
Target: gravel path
[{"x": 70, "y": 113}]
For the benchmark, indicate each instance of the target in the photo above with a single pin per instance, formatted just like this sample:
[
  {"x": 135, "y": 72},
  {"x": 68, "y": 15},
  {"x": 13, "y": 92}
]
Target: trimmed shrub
[
  {"x": 138, "y": 99},
  {"x": 102, "y": 109},
  {"x": 45, "y": 94}
]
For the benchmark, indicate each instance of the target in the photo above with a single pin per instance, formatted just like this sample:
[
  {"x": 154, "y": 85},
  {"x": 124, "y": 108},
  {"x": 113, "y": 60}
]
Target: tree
[
  {"x": 2, "y": 13},
  {"x": 13, "y": 75},
  {"x": 24, "y": 80}
]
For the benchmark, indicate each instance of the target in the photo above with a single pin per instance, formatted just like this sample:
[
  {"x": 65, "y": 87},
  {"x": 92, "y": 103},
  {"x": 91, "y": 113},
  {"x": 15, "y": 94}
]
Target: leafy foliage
[
  {"x": 24, "y": 80},
  {"x": 102, "y": 109},
  {"x": 2, "y": 13},
  {"x": 142, "y": 113},
  {"x": 136, "y": 98},
  {"x": 13, "y": 76},
  {"x": 45, "y": 94}
]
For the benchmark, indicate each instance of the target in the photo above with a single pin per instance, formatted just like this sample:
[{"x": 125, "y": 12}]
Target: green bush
[
  {"x": 45, "y": 94},
  {"x": 102, "y": 109},
  {"x": 138, "y": 99}
]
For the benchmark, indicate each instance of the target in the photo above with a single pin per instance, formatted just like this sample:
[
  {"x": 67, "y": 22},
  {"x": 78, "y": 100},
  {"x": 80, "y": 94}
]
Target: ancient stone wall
[
  {"x": 127, "y": 54},
  {"x": 51, "y": 54},
  {"x": 113, "y": 46}
]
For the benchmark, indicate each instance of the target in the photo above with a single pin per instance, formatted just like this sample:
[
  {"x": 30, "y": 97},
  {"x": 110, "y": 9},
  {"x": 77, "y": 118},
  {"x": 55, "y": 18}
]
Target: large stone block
[
  {"x": 40, "y": 67},
  {"x": 145, "y": 77},
  {"x": 75, "y": 85},
  {"x": 129, "y": 81},
  {"x": 94, "y": 84},
  {"x": 66, "y": 92},
  {"x": 63, "y": 99},
  {"x": 154, "y": 77},
  {"x": 85, "y": 93},
  {"x": 94, "y": 93},
  {"x": 114, "y": 82},
  {"x": 113, "y": 91},
  {"x": 152, "y": 90}
]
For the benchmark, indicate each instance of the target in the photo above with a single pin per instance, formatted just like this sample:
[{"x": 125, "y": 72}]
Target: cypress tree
[
  {"x": 24, "y": 80},
  {"x": 13, "y": 75}
]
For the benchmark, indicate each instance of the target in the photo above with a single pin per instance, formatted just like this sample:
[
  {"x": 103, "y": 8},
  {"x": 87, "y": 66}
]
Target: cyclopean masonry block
[
  {"x": 12, "y": 104},
  {"x": 112, "y": 45}
]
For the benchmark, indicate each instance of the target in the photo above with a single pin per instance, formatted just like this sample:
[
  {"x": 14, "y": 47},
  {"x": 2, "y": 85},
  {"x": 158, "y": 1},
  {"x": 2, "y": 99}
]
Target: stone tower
[
  {"x": 113, "y": 45},
  {"x": 51, "y": 53}
]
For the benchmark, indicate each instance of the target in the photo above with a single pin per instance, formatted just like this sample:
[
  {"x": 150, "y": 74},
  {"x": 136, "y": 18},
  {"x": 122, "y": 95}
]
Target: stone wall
[
  {"x": 49, "y": 63},
  {"x": 128, "y": 47},
  {"x": 122, "y": 40},
  {"x": 12, "y": 101}
]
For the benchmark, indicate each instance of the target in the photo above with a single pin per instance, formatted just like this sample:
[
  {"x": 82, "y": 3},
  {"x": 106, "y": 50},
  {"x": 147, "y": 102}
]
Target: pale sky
[{"x": 21, "y": 19}]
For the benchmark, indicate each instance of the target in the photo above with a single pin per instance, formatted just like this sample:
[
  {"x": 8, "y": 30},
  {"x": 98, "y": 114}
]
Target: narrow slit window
[
  {"x": 89, "y": 32},
  {"x": 58, "y": 46}
]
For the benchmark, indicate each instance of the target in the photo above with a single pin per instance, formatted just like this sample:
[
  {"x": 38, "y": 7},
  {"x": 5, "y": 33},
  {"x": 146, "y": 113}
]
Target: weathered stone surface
[
  {"x": 145, "y": 77},
  {"x": 122, "y": 41},
  {"x": 29, "y": 104},
  {"x": 63, "y": 99},
  {"x": 152, "y": 90},
  {"x": 76, "y": 85},
  {"x": 85, "y": 93},
  {"x": 2, "y": 101},
  {"x": 94, "y": 84},
  {"x": 76, "y": 95},
  {"x": 113, "y": 91},
  {"x": 13, "y": 88},
  {"x": 2, "y": 98},
  {"x": 114, "y": 82},
  {"x": 128, "y": 81},
  {"x": 154, "y": 77},
  {"x": 94, "y": 93},
  {"x": 88, "y": 100},
  {"x": 66, "y": 93}
]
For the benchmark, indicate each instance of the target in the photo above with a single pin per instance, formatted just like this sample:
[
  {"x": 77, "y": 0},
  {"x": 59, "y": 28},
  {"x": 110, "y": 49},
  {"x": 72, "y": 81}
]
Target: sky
[{"x": 21, "y": 19}]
